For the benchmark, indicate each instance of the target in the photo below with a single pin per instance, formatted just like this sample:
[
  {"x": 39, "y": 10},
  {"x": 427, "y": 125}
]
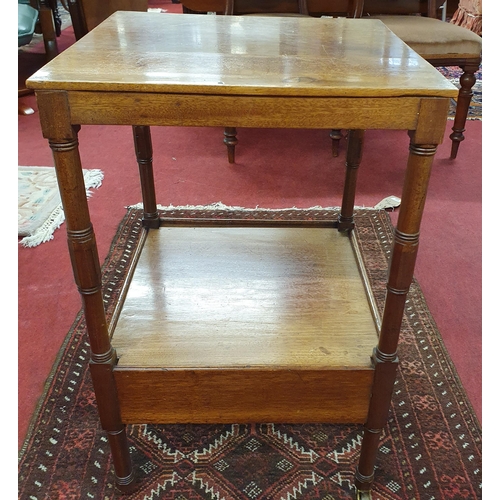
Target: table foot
[
  {"x": 124, "y": 474},
  {"x": 363, "y": 495}
]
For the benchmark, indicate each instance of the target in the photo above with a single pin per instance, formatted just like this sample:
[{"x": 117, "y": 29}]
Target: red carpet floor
[{"x": 274, "y": 169}]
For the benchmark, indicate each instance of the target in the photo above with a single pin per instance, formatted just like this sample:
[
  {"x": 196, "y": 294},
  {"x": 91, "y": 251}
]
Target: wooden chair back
[
  {"x": 351, "y": 8},
  {"x": 243, "y": 7},
  {"x": 429, "y": 8}
]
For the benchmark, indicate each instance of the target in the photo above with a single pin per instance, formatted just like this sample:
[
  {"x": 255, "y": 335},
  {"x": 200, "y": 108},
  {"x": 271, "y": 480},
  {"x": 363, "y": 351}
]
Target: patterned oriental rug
[{"x": 430, "y": 448}]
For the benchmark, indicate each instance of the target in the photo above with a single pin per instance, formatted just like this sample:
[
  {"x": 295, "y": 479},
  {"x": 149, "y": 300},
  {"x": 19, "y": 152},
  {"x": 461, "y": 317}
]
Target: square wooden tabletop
[{"x": 242, "y": 55}]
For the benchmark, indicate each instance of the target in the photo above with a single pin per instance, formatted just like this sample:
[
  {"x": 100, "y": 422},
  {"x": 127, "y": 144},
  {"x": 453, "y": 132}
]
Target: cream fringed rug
[{"x": 40, "y": 210}]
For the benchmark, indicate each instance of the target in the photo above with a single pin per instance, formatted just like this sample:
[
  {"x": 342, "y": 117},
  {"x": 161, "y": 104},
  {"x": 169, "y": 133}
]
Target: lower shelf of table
[{"x": 241, "y": 324}]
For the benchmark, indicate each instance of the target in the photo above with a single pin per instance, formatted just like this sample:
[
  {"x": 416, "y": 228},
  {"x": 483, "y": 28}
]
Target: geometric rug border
[{"x": 409, "y": 366}]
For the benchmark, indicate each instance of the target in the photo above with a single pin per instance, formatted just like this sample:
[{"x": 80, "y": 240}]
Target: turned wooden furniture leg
[
  {"x": 335, "y": 136},
  {"x": 144, "y": 154},
  {"x": 355, "y": 139},
  {"x": 230, "y": 141},
  {"x": 77, "y": 18},
  {"x": 467, "y": 81},
  {"x": 48, "y": 31},
  {"x": 385, "y": 358},
  {"x": 62, "y": 136}
]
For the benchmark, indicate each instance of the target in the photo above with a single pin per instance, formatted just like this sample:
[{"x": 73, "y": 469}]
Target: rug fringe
[
  {"x": 46, "y": 231},
  {"x": 221, "y": 206},
  {"x": 93, "y": 179}
]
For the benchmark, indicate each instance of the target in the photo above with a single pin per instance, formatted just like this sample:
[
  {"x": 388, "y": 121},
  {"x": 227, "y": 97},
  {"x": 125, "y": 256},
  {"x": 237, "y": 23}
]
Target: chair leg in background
[
  {"x": 49, "y": 32},
  {"x": 230, "y": 141},
  {"x": 467, "y": 81},
  {"x": 335, "y": 136}
]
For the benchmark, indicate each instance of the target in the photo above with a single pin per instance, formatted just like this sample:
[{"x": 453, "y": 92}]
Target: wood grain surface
[
  {"x": 242, "y": 55},
  {"x": 246, "y": 297}
]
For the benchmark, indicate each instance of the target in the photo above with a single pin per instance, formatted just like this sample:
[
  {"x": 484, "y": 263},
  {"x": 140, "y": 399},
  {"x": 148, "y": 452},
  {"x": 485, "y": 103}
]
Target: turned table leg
[
  {"x": 385, "y": 358},
  {"x": 427, "y": 135},
  {"x": 144, "y": 155},
  {"x": 355, "y": 139},
  {"x": 63, "y": 140}
]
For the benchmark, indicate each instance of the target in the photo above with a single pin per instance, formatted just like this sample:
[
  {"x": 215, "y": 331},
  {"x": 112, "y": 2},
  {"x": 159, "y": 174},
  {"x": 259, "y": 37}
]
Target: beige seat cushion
[{"x": 434, "y": 38}]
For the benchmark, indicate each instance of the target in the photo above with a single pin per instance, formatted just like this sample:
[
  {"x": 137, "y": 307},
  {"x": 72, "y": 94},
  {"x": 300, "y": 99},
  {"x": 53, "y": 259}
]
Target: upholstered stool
[{"x": 443, "y": 44}]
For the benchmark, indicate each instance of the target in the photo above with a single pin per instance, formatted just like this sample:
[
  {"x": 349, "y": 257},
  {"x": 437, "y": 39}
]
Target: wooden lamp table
[{"x": 223, "y": 321}]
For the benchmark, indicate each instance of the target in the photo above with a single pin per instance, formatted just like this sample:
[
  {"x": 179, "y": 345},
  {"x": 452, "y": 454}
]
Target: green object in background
[{"x": 27, "y": 18}]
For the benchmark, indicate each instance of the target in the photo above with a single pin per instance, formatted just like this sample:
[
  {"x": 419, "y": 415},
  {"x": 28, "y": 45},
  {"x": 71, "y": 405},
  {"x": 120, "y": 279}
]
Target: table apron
[{"x": 129, "y": 108}]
